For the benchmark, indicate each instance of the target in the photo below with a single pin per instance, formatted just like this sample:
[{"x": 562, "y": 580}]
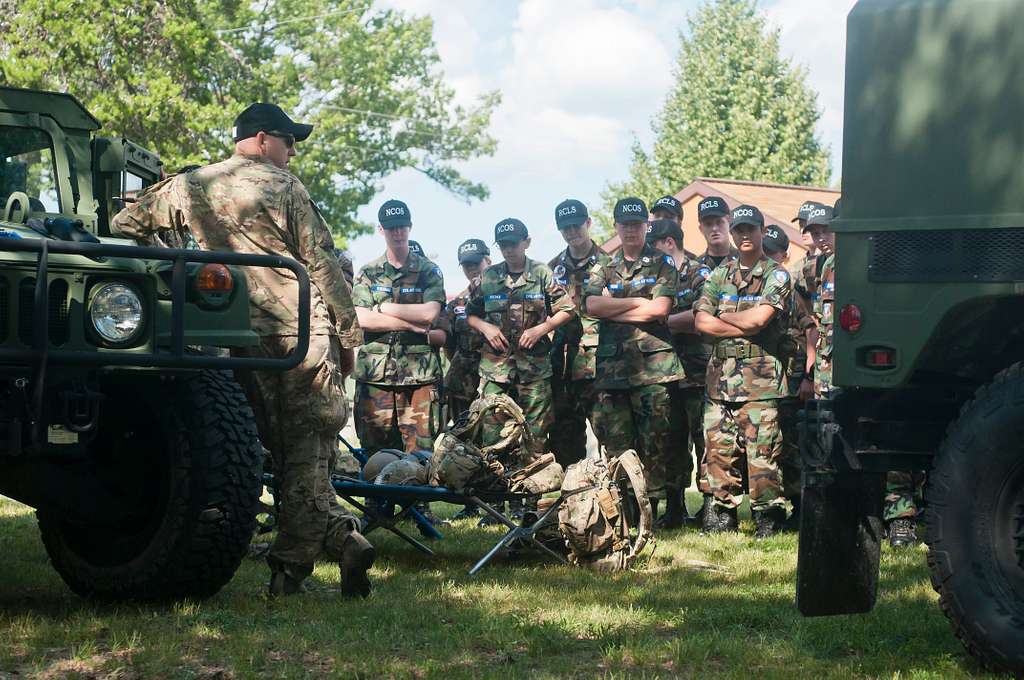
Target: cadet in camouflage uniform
[
  {"x": 901, "y": 487},
  {"x": 799, "y": 376},
  {"x": 743, "y": 307},
  {"x": 398, "y": 298},
  {"x": 713, "y": 218},
  {"x": 516, "y": 306},
  {"x": 667, "y": 237},
  {"x": 637, "y": 367},
  {"x": 669, "y": 208},
  {"x": 251, "y": 204},
  {"x": 464, "y": 343},
  {"x": 573, "y": 358}
]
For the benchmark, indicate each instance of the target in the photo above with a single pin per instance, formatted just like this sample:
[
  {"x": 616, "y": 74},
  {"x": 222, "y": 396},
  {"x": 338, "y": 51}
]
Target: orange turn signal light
[{"x": 214, "y": 278}]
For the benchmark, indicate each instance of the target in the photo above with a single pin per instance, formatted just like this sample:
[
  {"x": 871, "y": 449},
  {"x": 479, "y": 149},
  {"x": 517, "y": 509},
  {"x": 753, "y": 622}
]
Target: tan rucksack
[
  {"x": 593, "y": 518},
  {"x": 459, "y": 461}
]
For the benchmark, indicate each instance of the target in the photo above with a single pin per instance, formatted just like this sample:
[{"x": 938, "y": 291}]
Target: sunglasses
[{"x": 289, "y": 140}]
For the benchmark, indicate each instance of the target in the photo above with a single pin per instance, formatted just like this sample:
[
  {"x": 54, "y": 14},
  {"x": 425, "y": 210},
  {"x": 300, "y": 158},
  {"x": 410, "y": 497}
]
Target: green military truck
[
  {"x": 121, "y": 422},
  {"x": 929, "y": 335}
]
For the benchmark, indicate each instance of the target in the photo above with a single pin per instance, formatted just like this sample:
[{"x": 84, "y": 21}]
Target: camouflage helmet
[
  {"x": 409, "y": 470},
  {"x": 378, "y": 461}
]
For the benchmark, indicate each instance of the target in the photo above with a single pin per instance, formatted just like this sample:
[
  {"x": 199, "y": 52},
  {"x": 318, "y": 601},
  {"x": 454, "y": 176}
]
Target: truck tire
[
  {"x": 185, "y": 455},
  {"x": 975, "y": 499}
]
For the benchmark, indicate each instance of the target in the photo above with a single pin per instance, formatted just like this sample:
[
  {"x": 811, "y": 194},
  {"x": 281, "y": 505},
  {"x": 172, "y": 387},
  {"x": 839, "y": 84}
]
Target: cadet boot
[
  {"x": 487, "y": 520},
  {"x": 727, "y": 520},
  {"x": 357, "y": 556},
  {"x": 675, "y": 513},
  {"x": 283, "y": 584},
  {"x": 902, "y": 533},
  {"x": 708, "y": 516},
  {"x": 468, "y": 512},
  {"x": 768, "y": 521}
]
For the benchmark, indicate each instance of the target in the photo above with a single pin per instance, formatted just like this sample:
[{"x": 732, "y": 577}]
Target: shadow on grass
[{"x": 698, "y": 607}]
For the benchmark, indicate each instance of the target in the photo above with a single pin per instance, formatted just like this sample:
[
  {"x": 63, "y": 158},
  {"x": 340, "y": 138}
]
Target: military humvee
[
  {"x": 929, "y": 333},
  {"x": 121, "y": 422}
]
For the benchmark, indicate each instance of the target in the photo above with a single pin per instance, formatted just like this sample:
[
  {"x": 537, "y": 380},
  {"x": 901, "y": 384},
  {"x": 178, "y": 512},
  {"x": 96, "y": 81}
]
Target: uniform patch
[
  {"x": 411, "y": 289},
  {"x": 647, "y": 260},
  {"x": 460, "y": 311},
  {"x": 437, "y": 272},
  {"x": 614, "y": 286},
  {"x": 728, "y": 298},
  {"x": 497, "y": 296},
  {"x": 704, "y": 272},
  {"x": 559, "y": 272},
  {"x": 669, "y": 261},
  {"x": 378, "y": 288},
  {"x": 533, "y": 296},
  {"x": 780, "y": 275}
]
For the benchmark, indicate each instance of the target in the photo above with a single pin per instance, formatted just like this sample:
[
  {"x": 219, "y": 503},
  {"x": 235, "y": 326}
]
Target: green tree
[
  {"x": 738, "y": 110},
  {"x": 173, "y": 74}
]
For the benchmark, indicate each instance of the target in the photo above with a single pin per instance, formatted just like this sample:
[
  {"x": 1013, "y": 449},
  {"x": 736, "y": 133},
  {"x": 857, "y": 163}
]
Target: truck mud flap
[{"x": 840, "y": 542}]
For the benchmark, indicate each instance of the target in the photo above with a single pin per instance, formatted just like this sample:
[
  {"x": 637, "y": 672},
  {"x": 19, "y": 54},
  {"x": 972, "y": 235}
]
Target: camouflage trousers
[
  {"x": 573, "y": 405},
  {"x": 901, "y": 492},
  {"x": 789, "y": 463},
  {"x": 749, "y": 430},
  {"x": 397, "y": 417},
  {"x": 644, "y": 418},
  {"x": 822, "y": 376},
  {"x": 298, "y": 414},
  {"x": 689, "y": 401},
  {"x": 461, "y": 384},
  {"x": 535, "y": 400}
]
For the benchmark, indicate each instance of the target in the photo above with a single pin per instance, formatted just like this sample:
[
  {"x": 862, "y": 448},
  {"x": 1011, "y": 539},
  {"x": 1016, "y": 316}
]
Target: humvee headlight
[{"x": 116, "y": 312}]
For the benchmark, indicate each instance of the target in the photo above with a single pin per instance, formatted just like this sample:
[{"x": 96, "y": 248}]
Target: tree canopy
[
  {"x": 738, "y": 110},
  {"x": 172, "y": 75}
]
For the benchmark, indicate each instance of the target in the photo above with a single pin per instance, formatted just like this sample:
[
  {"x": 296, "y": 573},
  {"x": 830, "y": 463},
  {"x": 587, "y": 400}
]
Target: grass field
[{"x": 706, "y": 607}]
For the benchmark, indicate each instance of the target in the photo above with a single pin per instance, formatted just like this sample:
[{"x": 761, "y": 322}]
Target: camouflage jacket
[
  {"x": 513, "y": 306},
  {"x": 693, "y": 351},
  {"x": 628, "y": 354},
  {"x": 462, "y": 340},
  {"x": 576, "y": 342},
  {"x": 398, "y": 358},
  {"x": 807, "y": 278},
  {"x": 824, "y": 311},
  {"x": 246, "y": 205},
  {"x": 730, "y": 289},
  {"x": 708, "y": 260}
]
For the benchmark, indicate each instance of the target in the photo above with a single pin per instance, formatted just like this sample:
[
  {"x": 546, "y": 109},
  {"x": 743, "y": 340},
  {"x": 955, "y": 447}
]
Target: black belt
[{"x": 396, "y": 338}]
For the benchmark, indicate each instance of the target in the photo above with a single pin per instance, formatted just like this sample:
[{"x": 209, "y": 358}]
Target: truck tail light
[
  {"x": 880, "y": 357},
  {"x": 850, "y": 318}
]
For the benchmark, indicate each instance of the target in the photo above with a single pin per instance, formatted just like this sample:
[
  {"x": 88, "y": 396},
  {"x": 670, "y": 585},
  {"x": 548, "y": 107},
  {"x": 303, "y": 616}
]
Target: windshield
[{"x": 26, "y": 164}]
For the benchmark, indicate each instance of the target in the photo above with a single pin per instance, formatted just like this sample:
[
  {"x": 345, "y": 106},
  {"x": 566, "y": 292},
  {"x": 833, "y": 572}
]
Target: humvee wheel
[
  {"x": 975, "y": 498},
  {"x": 187, "y": 456}
]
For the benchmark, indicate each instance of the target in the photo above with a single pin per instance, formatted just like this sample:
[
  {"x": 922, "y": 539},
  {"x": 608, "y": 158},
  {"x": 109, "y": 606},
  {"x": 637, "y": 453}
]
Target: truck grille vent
[
  {"x": 988, "y": 255},
  {"x": 57, "y": 311}
]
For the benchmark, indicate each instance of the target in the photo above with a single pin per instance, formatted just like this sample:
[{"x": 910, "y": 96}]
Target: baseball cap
[
  {"x": 630, "y": 209},
  {"x": 570, "y": 213},
  {"x": 807, "y": 207},
  {"x": 670, "y": 204},
  {"x": 775, "y": 240},
  {"x": 712, "y": 206},
  {"x": 510, "y": 229},
  {"x": 473, "y": 251},
  {"x": 659, "y": 229},
  {"x": 261, "y": 117},
  {"x": 819, "y": 214},
  {"x": 746, "y": 214},
  {"x": 394, "y": 214},
  {"x": 415, "y": 247},
  {"x": 835, "y": 208}
]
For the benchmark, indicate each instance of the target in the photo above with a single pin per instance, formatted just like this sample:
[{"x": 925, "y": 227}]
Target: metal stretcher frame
[{"x": 384, "y": 516}]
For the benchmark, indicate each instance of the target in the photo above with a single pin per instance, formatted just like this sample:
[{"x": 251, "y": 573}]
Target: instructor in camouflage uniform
[
  {"x": 637, "y": 367},
  {"x": 573, "y": 359},
  {"x": 743, "y": 307},
  {"x": 398, "y": 298},
  {"x": 251, "y": 204},
  {"x": 516, "y": 307}
]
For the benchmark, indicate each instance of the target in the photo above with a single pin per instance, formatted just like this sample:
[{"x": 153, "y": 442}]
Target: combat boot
[
  {"x": 727, "y": 520},
  {"x": 675, "y": 512},
  {"x": 902, "y": 533},
  {"x": 468, "y": 512},
  {"x": 357, "y": 556},
  {"x": 709, "y": 516},
  {"x": 768, "y": 522},
  {"x": 281, "y": 581}
]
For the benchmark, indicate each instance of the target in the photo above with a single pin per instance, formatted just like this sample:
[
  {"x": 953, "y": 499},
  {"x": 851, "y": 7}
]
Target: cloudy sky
[{"x": 579, "y": 79}]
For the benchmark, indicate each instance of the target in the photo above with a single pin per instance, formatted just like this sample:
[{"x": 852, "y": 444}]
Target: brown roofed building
[{"x": 778, "y": 202}]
